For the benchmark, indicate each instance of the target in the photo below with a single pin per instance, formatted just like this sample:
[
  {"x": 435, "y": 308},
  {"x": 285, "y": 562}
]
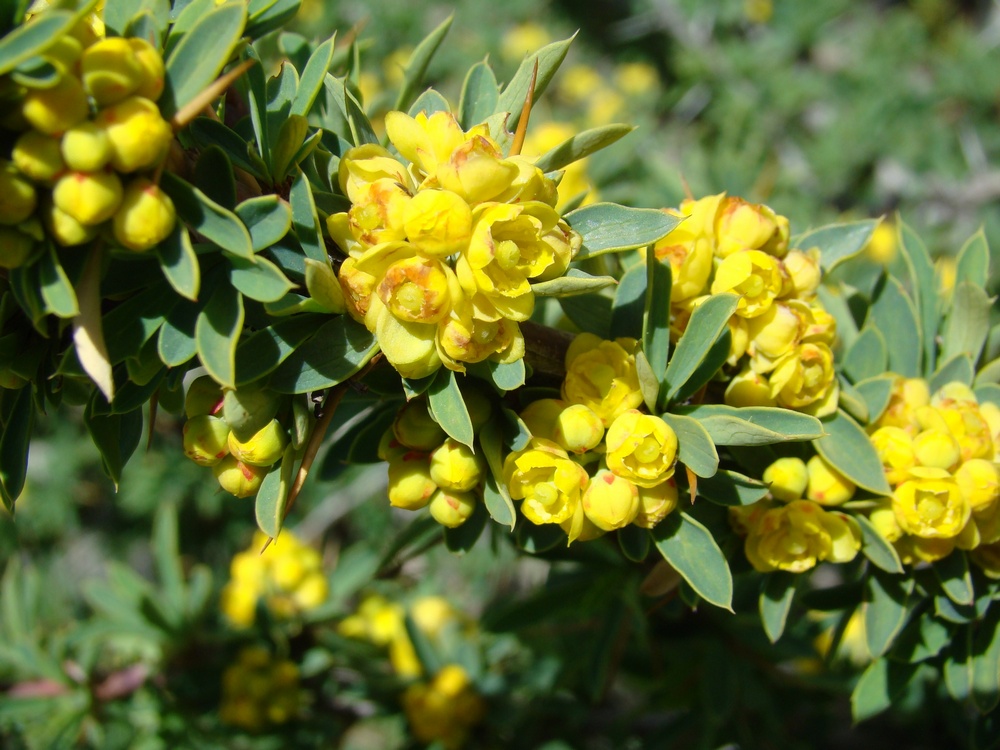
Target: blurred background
[{"x": 145, "y": 618}]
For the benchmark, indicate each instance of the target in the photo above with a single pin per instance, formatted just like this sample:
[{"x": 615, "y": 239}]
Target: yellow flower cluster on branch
[
  {"x": 781, "y": 337},
  {"x": 595, "y": 462},
  {"x": 444, "y": 241},
  {"x": 940, "y": 456},
  {"x": 259, "y": 690}
]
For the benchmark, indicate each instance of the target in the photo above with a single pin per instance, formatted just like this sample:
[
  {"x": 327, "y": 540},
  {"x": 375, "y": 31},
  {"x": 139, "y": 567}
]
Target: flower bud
[
  {"x": 204, "y": 396},
  {"x": 410, "y": 483},
  {"x": 151, "y": 63},
  {"x": 641, "y": 448},
  {"x": 578, "y": 429},
  {"x": 610, "y": 502},
  {"x": 63, "y": 53},
  {"x": 827, "y": 486},
  {"x": 57, "y": 109},
  {"x": 749, "y": 388},
  {"x": 455, "y": 467},
  {"x": 954, "y": 391},
  {"x": 38, "y": 156},
  {"x": 438, "y": 222},
  {"x": 884, "y": 520},
  {"x": 788, "y": 478},
  {"x": 742, "y": 226},
  {"x": 139, "y": 135},
  {"x": 85, "y": 147},
  {"x": 542, "y": 416},
  {"x": 936, "y": 449},
  {"x": 415, "y": 428},
  {"x": 389, "y": 447},
  {"x": 979, "y": 482},
  {"x": 805, "y": 379},
  {"x": 264, "y": 448},
  {"x": 656, "y": 503},
  {"x": 66, "y": 230},
  {"x": 774, "y": 333},
  {"x": 895, "y": 449},
  {"x": 146, "y": 216},
  {"x": 15, "y": 247},
  {"x": 803, "y": 270},
  {"x": 238, "y": 478},
  {"x": 452, "y": 509},
  {"x": 930, "y": 504},
  {"x": 110, "y": 70},
  {"x": 88, "y": 197},
  {"x": 17, "y": 195},
  {"x": 206, "y": 439}
]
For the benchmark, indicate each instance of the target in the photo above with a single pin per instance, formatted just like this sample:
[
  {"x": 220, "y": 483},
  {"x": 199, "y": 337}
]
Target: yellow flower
[
  {"x": 610, "y": 501},
  {"x": 363, "y": 165},
  {"x": 522, "y": 40},
  {"x": 145, "y": 217},
  {"x": 601, "y": 375},
  {"x": 915, "y": 549},
  {"x": 803, "y": 273},
  {"x": 89, "y": 197},
  {"x": 797, "y": 536},
  {"x": 656, "y": 503},
  {"x": 827, "y": 486},
  {"x": 55, "y": 110},
  {"x": 110, "y": 70},
  {"x": 787, "y": 478},
  {"x": 357, "y": 287},
  {"x": 476, "y": 171},
  {"x": 438, "y": 222},
  {"x": 641, "y": 448},
  {"x": 804, "y": 379},
  {"x": 883, "y": 518},
  {"x": 578, "y": 428},
  {"x": 636, "y": 78},
  {"x": 930, "y": 504},
  {"x": 546, "y": 479},
  {"x": 908, "y": 395},
  {"x": 964, "y": 422},
  {"x": 773, "y": 334},
  {"x": 475, "y": 331},
  {"x": 754, "y": 275},
  {"x": 542, "y": 416},
  {"x": 140, "y": 137},
  {"x": 445, "y": 710},
  {"x": 744, "y": 226},
  {"x": 411, "y": 348},
  {"x": 579, "y": 82},
  {"x": 690, "y": 247},
  {"x": 427, "y": 142},
  {"x": 377, "y": 213},
  {"x": 894, "y": 446},
  {"x": 936, "y": 449},
  {"x": 979, "y": 482},
  {"x": 881, "y": 246},
  {"x": 418, "y": 290}
]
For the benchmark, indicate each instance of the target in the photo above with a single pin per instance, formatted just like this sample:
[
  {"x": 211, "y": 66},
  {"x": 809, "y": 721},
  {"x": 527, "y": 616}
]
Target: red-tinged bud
[
  {"x": 206, "y": 440},
  {"x": 89, "y": 197},
  {"x": 238, "y": 478}
]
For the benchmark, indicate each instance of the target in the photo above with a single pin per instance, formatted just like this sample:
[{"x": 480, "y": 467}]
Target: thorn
[
  {"x": 266, "y": 545},
  {"x": 193, "y": 108},
  {"x": 522, "y": 123},
  {"x": 687, "y": 189},
  {"x": 692, "y": 483}
]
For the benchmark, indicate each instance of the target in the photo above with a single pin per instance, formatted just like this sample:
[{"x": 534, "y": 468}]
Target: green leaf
[
  {"x": 14, "y": 442},
  {"x": 429, "y": 102},
  {"x": 30, "y": 39},
  {"x": 988, "y": 393},
  {"x": 894, "y": 315},
  {"x": 958, "y": 368},
  {"x": 649, "y": 384},
  {"x": 323, "y": 286},
  {"x": 709, "y": 367},
  {"x": 254, "y": 84},
  {"x": 885, "y": 610},
  {"x": 629, "y": 305},
  {"x": 268, "y": 219},
  {"x": 495, "y": 494},
  {"x": 973, "y": 264},
  {"x": 134, "y": 322},
  {"x": 272, "y": 16},
  {"x": 968, "y": 322},
  {"x": 115, "y": 435},
  {"x": 847, "y": 448},
  {"x": 208, "y": 132},
  {"x": 985, "y": 663},
  {"x": 610, "y": 228},
  {"x": 925, "y": 295},
  {"x": 208, "y": 218},
  {"x": 988, "y": 374},
  {"x": 880, "y": 686},
  {"x": 339, "y": 349},
  {"x": 448, "y": 407},
  {"x": 656, "y": 323},
  {"x": 874, "y": 546},
  {"x": 507, "y": 376},
  {"x": 876, "y": 392},
  {"x": 56, "y": 288},
  {"x": 776, "y": 596},
  {"x": 217, "y": 332},
  {"x": 549, "y": 58},
  {"x": 634, "y": 542},
  {"x": 695, "y": 447},
  {"x": 176, "y": 343},
  {"x": 867, "y": 357},
  {"x": 213, "y": 175},
  {"x": 837, "y": 242},
  {"x": 958, "y": 666},
  {"x": 952, "y": 572},
  {"x": 416, "y": 66},
  {"x": 753, "y": 425},
  {"x": 692, "y": 551},
  {"x": 312, "y": 77},
  {"x": 291, "y": 136},
  {"x": 581, "y": 145},
  {"x": 118, "y": 15},
  {"x": 835, "y": 301},
  {"x": 272, "y": 497},
  {"x": 249, "y": 409},
  {"x": 730, "y": 488},
  {"x": 851, "y": 401},
  {"x": 180, "y": 263},
  {"x": 362, "y": 131},
  {"x": 304, "y": 219},
  {"x": 589, "y": 312},
  {"x": 923, "y": 638},
  {"x": 480, "y": 95},
  {"x": 707, "y": 323},
  {"x": 261, "y": 280},
  {"x": 200, "y": 55},
  {"x": 573, "y": 282}
]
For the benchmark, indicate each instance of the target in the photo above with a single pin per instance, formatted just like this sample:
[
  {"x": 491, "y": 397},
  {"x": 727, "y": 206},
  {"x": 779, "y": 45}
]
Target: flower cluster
[
  {"x": 444, "y": 709},
  {"x": 259, "y": 690},
  {"x": 239, "y": 467},
  {"x": 940, "y": 456},
  {"x": 287, "y": 579},
  {"x": 793, "y": 530},
  {"x": 444, "y": 243},
  {"x": 429, "y": 469},
  {"x": 83, "y": 148},
  {"x": 781, "y": 336},
  {"x": 595, "y": 461}
]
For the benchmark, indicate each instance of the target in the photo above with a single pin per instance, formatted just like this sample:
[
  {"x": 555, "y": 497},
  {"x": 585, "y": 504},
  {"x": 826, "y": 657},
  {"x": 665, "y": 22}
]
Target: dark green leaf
[
  {"x": 272, "y": 16},
  {"x": 968, "y": 322},
  {"x": 176, "y": 343},
  {"x": 707, "y": 323},
  {"x": 590, "y": 313},
  {"x": 217, "y": 332},
  {"x": 416, "y": 66},
  {"x": 429, "y": 102},
  {"x": 115, "y": 435},
  {"x": 312, "y": 77},
  {"x": 56, "y": 288},
  {"x": 753, "y": 425},
  {"x": 695, "y": 447},
  {"x": 480, "y": 95},
  {"x": 885, "y": 610},
  {"x": 776, "y": 596},
  {"x": 973, "y": 264},
  {"x": 867, "y": 357},
  {"x": 213, "y": 175},
  {"x": 876, "y": 392},
  {"x": 14, "y": 443},
  {"x": 880, "y": 686},
  {"x": 656, "y": 322},
  {"x": 304, "y": 219},
  {"x": 260, "y": 280},
  {"x": 692, "y": 551},
  {"x": 30, "y": 39},
  {"x": 448, "y": 407},
  {"x": 209, "y": 132},
  {"x": 629, "y": 304},
  {"x": 837, "y": 242},
  {"x": 709, "y": 367},
  {"x": 207, "y": 217},
  {"x": 249, "y": 409},
  {"x": 953, "y": 574},
  {"x": 958, "y": 368},
  {"x": 272, "y": 497},
  {"x": 581, "y": 145},
  {"x": 463, "y": 538},
  {"x": 874, "y": 546},
  {"x": 180, "y": 263},
  {"x": 610, "y": 228},
  {"x": 495, "y": 494},
  {"x": 634, "y": 542},
  {"x": 958, "y": 666},
  {"x": 507, "y": 377},
  {"x": 924, "y": 288},
  {"x": 985, "y": 663},
  {"x": 339, "y": 349},
  {"x": 731, "y": 488},
  {"x": 573, "y": 282},
  {"x": 549, "y": 58},
  {"x": 894, "y": 315},
  {"x": 847, "y": 448}
]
